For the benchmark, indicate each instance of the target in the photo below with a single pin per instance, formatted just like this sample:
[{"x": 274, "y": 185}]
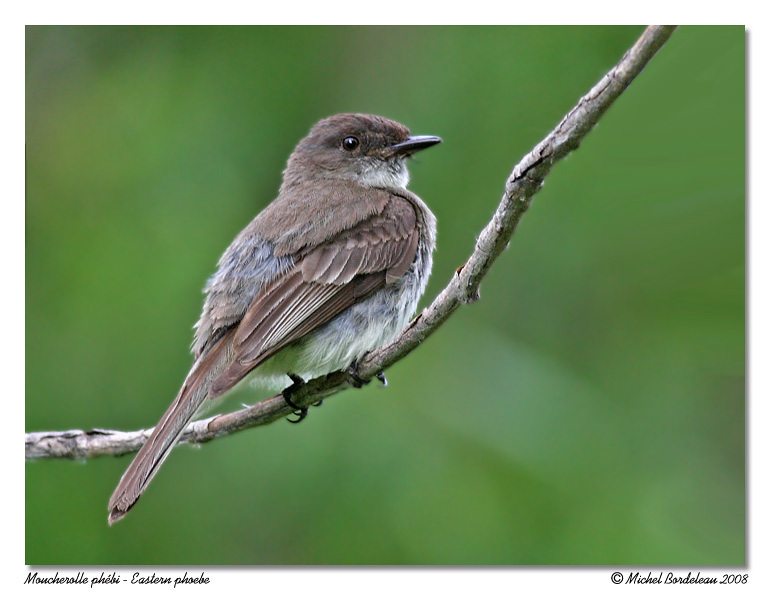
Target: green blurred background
[{"x": 589, "y": 409}]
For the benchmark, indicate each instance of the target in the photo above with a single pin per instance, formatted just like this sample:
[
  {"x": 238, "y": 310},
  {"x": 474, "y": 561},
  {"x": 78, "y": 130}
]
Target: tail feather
[{"x": 188, "y": 401}]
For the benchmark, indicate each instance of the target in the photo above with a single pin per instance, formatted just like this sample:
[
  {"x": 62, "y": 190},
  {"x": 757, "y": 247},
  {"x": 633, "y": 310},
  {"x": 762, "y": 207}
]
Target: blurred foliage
[{"x": 590, "y": 409}]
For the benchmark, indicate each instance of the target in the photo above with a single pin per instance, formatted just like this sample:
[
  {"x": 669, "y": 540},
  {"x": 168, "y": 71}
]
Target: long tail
[{"x": 165, "y": 435}]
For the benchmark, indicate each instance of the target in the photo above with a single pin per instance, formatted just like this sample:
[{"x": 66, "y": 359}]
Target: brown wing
[{"x": 325, "y": 281}]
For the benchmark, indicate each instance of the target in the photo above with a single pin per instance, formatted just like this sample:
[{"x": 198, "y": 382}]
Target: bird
[{"x": 331, "y": 269}]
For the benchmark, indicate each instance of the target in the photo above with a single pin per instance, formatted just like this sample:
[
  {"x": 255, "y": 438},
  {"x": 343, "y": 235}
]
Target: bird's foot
[
  {"x": 299, "y": 411},
  {"x": 355, "y": 379}
]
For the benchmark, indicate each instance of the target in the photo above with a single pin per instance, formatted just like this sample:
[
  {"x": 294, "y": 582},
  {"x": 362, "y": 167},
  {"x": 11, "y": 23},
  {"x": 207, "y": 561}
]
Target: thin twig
[{"x": 525, "y": 180}]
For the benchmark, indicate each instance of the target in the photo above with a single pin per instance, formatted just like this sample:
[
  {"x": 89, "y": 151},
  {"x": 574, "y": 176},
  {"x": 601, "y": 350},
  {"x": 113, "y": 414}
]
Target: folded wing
[{"x": 326, "y": 280}]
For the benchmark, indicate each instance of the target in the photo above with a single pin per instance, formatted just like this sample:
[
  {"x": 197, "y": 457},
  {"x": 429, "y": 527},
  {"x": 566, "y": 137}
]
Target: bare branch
[{"x": 525, "y": 180}]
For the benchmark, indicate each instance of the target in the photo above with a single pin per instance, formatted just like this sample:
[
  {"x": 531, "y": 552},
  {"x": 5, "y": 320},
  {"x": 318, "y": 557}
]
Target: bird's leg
[
  {"x": 355, "y": 379},
  {"x": 300, "y": 412}
]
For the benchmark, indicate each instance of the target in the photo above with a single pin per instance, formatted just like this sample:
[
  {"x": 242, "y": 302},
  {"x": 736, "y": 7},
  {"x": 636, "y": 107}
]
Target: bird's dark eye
[{"x": 350, "y": 143}]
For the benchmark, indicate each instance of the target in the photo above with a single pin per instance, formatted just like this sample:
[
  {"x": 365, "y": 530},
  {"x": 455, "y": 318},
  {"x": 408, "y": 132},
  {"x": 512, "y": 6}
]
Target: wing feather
[{"x": 325, "y": 281}]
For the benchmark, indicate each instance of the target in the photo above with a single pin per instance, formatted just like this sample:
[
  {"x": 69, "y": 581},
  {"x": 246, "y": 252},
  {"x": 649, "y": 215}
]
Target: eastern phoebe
[{"x": 330, "y": 270}]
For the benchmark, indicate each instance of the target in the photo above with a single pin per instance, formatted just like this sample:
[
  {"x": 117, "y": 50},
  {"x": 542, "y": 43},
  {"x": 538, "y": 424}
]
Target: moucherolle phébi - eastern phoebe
[{"x": 330, "y": 270}]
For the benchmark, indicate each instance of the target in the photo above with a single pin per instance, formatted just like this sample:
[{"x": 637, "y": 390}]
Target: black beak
[{"x": 414, "y": 144}]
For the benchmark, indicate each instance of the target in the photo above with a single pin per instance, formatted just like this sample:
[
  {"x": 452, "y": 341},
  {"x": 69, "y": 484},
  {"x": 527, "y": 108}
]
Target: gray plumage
[{"x": 331, "y": 269}]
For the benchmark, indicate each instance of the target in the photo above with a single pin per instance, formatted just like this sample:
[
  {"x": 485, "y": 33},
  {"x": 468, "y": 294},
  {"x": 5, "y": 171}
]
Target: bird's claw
[
  {"x": 356, "y": 381},
  {"x": 301, "y": 414},
  {"x": 354, "y": 378},
  {"x": 299, "y": 411}
]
